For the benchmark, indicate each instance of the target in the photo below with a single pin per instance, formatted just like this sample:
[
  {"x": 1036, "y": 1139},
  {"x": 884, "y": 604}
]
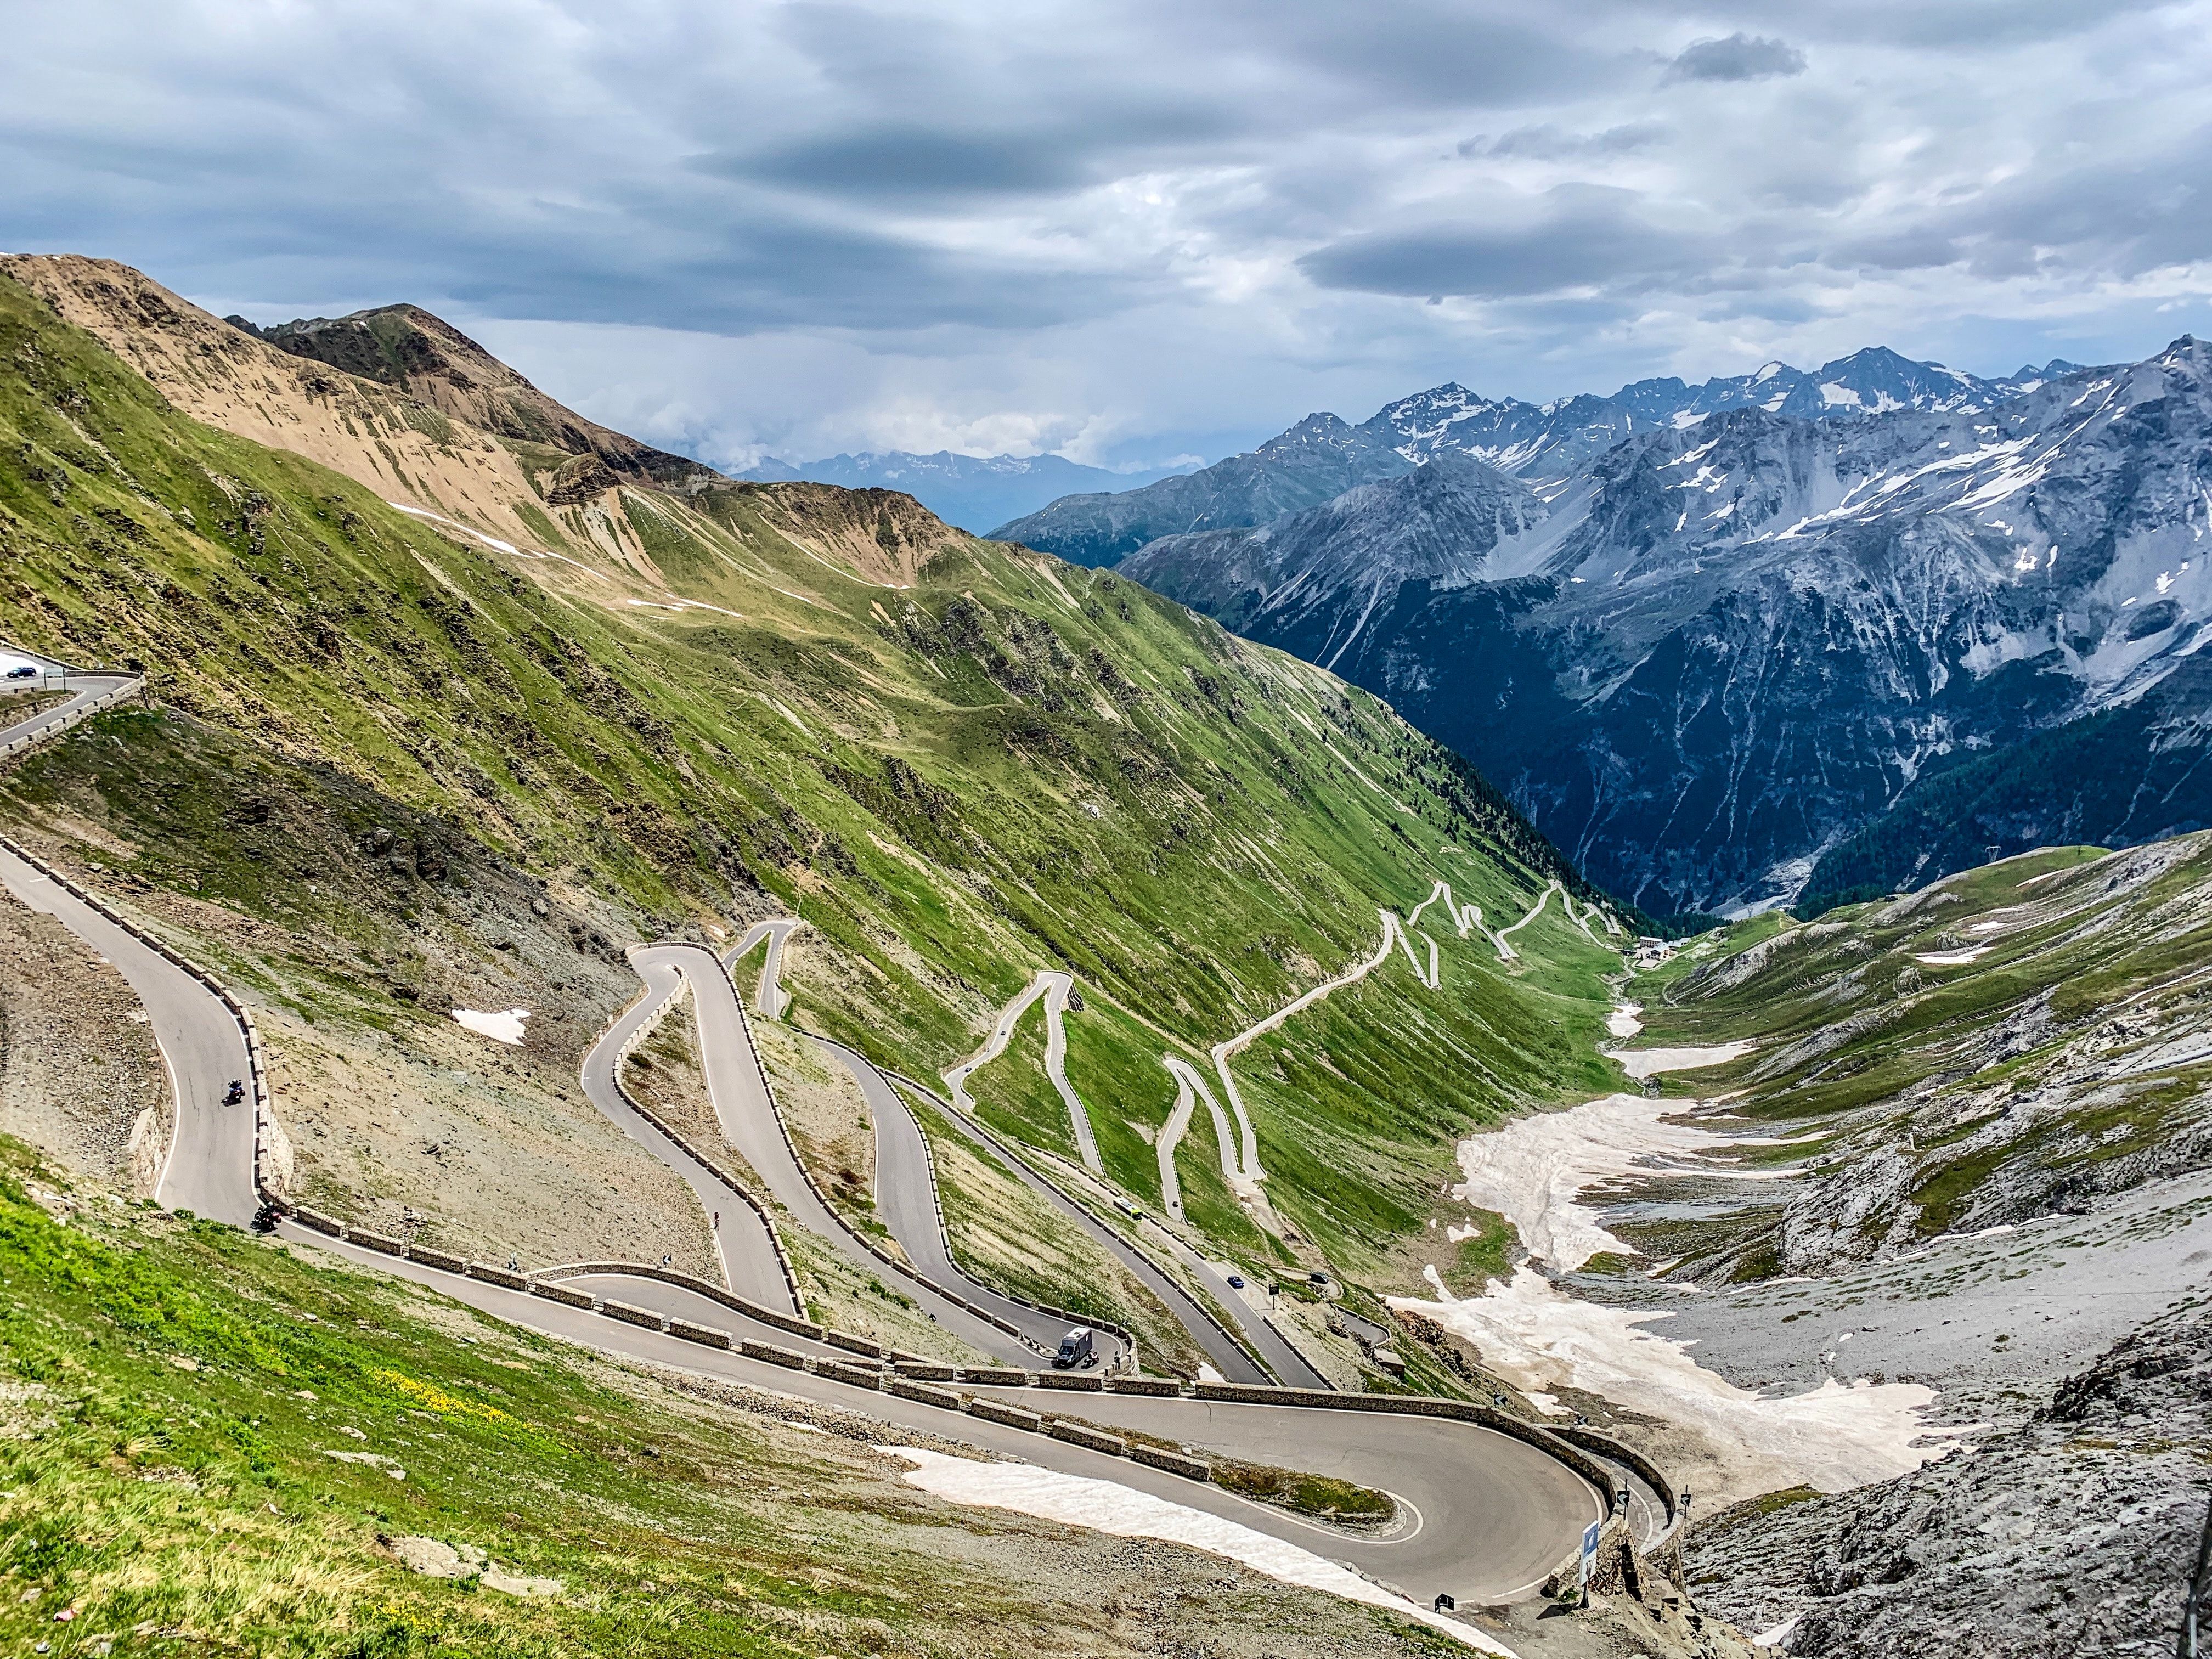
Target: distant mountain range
[
  {"x": 1787, "y": 637},
  {"x": 970, "y": 490},
  {"x": 1322, "y": 456}
]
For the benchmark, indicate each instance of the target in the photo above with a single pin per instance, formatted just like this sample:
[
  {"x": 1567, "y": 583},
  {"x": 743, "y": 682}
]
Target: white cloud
[{"x": 1124, "y": 231}]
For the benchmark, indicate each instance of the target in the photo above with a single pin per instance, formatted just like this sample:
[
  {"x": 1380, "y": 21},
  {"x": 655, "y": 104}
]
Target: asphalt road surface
[
  {"x": 906, "y": 1202},
  {"x": 1484, "y": 1516},
  {"x": 750, "y": 1266},
  {"x": 771, "y": 999},
  {"x": 1235, "y": 1364},
  {"x": 209, "y": 1165},
  {"x": 748, "y": 1116}
]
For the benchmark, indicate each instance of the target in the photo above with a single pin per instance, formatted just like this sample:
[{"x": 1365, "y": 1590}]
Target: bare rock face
[
  {"x": 2072, "y": 1533},
  {"x": 1827, "y": 1227},
  {"x": 1716, "y": 641}
]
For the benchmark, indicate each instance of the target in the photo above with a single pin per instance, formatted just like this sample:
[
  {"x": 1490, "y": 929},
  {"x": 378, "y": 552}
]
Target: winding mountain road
[
  {"x": 746, "y": 1112},
  {"x": 1053, "y": 988},
  {"x": 908, "y": 1203},
  {"x": 769, "y": 998},
  {"x": 208, "y": 1166},
  {"x": 1483, "y": 1514},
  {"x": 750, "y": 1265}
]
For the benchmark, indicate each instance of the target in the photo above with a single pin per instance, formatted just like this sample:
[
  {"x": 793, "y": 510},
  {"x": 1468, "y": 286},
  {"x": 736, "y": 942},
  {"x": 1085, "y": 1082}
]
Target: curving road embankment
[{"x": 1485, "y": 1515}]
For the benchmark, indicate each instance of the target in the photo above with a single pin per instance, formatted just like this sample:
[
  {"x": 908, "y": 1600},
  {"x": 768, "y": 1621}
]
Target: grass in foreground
[
  {"x": 207, "y": 1444},
  {"x": 1319, "y": 1495}
]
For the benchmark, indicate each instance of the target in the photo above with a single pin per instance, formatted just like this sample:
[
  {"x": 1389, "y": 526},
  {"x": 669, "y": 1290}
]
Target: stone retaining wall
[{"x": 630, "y": 1314}]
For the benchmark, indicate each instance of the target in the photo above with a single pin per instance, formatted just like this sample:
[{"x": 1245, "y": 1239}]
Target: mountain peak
[
  {"x": 1319, "y": 428},
  {"x": 420, "y": 354}
]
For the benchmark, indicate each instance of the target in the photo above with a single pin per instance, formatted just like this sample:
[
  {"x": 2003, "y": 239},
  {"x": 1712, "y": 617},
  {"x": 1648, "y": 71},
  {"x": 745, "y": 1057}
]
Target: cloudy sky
[{"x": 1127, "y": 232}]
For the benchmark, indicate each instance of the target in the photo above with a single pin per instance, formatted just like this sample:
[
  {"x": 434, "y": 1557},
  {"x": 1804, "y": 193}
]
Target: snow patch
[
  {"x": 1952, "y": 959},
  {"x": 1832, "y": 1438},
  {"x": 1079, "y": 1501},
  {"x": 1640, "y": 1063},
  {"x": 500, "y": 1027},
  {"x": 1622, "y": 1022},
  {"x": 1534, "y": 1170}
]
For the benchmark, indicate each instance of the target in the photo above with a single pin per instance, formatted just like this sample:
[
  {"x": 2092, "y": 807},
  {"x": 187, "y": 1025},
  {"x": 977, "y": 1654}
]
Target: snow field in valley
[{"x": 1533, "y": 1171}]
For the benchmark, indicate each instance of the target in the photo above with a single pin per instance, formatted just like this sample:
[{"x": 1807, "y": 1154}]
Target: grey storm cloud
[
  {"x": 1736, "y": 57},
  {"x": 913, "y": 161},
  {"x": 1583, "y": 238},
  {"x": 1552, "y": 143},
  {"x": 922, "y": 220}
]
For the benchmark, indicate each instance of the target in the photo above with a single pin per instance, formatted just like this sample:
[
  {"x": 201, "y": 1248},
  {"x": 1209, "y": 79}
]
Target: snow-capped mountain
[
  {"x": 1545, "y": 443},
  {"x": 962, "y": 489},
  {"x": 1319, "y": 457},
  {"x": 1335, "y": 564},
  {"x": 1721, "y": 646}
]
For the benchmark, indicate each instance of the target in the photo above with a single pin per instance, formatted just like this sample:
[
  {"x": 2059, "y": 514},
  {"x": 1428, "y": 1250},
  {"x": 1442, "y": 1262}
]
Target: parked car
[{"x": 1076, "y": 1348}]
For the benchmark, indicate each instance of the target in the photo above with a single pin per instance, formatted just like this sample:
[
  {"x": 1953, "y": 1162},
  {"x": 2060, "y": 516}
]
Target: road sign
[{"x": 1589, "y": 1553}]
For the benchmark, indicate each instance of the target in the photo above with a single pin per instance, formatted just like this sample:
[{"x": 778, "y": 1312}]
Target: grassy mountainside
[
  {"x": 397, "y": 767},
  {"x": 2021, "y": 1039},
  {"x": 210, "y": 1445}
]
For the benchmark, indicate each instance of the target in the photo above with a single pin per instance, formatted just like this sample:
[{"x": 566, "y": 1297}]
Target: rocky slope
[
  {"x": 2072, "y": 1533},
  {"x": 2019, "y": 1041},
  {"x": 1727, "y": 644},
  {"x": 1970, "y": 1143},
  {"x": 2129, "y": 772},
  {"x": 1319, "y": 457},
  {"x": 1302, "y": 576}
]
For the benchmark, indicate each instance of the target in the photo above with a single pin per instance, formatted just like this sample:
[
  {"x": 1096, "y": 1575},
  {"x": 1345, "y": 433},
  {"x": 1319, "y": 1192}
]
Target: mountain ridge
[
  {"x": 962, "y": 489},
  {"x": 1545, "y": 442},
  {"x": 1725, "y": 644},
  {"x": 419, "y": 353}
]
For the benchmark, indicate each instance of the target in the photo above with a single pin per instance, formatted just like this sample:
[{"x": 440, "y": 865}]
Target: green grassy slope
[
  {"x": 1007, "y": 763},
  {"x": 2050, "y": 1054},
  {"x": 210, "y": 1445}
]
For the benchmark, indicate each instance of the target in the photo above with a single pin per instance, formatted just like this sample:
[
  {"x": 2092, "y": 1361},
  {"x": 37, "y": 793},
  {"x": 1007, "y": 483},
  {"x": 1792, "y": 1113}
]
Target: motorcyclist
[{"x": 237, "y": 1092}]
